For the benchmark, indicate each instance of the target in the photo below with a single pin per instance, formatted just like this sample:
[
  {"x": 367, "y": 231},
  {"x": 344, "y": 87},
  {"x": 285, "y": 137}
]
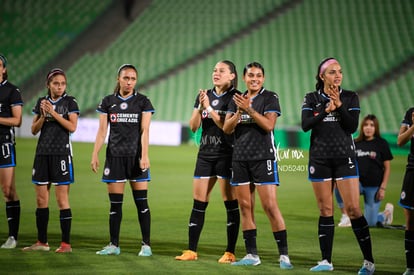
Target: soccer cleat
[
  {"x": 345, "y": 221},
  {"x": 284, "y": 262},
  {"x": 227, "y": 258},
  {"x": 38, "y": 246},
  {"x": 64, "y": 248},
  {"x": 389, "y": 213},
  {"x": 323, "y": 265},
  {"x": 10, "y": 243},
  {"x": 145, "y": 251},
  {"x": 249, "y": 259},
  {"x": 409, "y": 271},
  {"x": 110, "y": 249},
  {"x": 188, "y": 255},
  {"x": 367, "y": 268}
]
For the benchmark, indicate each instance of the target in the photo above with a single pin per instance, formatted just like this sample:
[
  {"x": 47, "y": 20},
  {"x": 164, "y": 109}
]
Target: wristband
[{"x": 209, "y": 109}]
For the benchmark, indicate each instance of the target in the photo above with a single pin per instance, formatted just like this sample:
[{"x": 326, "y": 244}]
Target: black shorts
[
  {"x": 219, "y": 167},
  {"x": 259, "y": 172},
  {"x": 407, "y": 191},
  {"x": 7, "y": 155},
  {"x": 121, "y": 169},
  {"x": 55, "y": 169},
  {"x": 332, "y": 169}
]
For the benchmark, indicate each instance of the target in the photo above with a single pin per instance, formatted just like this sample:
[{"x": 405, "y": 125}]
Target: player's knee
[
  {"x": 353, "y": 212},
  {"x": 9, "y": 193}
]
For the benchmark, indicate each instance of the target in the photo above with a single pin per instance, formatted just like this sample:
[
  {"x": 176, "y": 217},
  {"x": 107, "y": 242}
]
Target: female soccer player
[
  {"x": 332, "y": 115},
  {"x": 213, "y": 160},
  {"x": 127, "y": 114},
  {"x": 56, "y": 117},
  {"x": 405, "y": 135},
  {"x": 252, "y": 117},
  {"x": 10, "y": 116}
]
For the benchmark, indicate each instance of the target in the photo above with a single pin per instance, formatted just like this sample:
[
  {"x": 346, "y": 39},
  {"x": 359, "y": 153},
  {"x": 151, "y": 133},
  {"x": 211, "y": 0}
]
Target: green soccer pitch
[{"x": 170, "y": 200}]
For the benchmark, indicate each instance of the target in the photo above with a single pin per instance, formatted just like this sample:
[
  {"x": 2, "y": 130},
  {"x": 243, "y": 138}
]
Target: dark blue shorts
[
  {"x": 332, "y": 169},
  {"x": 121, "y": 169},
  {"x": 213, "y": 167},
  {"x": 259, "y": 172},
  {"x": 7, "y": 155},
  {"x": 407, "y": 191},
  {"x": 55, "y": 169}
]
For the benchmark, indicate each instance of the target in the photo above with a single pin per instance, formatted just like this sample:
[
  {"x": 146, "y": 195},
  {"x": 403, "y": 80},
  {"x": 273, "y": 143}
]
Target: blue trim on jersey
[
  {"x": 267, "y": 183},
  {"x": 141, "y": 180},
  {"x": 307, "y": 109},
  {"x": 53, "y": 183},
  {"x": 125, "y": 180},
  {"x": 275, "y": 176},
  {"x": 225, "y": 92},
  {"x": 8, "y": 165},
  {"x": 354, "y": 109},
  {"x": 239, "y": 183},
  {"x": 72, "y": 177},
  {"x": 329, "y": 179},
  {"x": 57, "y": 100},
  {"x": 209, "y": 177},
  {"x": 405, "y": 206},
  {"x": 149, "y": 111},
  {"x": 13, "y": 161},
  {"x": 126, "y": 98},
  {"x": 273, "y": 111},
  {"x": 114, "y": 181}
]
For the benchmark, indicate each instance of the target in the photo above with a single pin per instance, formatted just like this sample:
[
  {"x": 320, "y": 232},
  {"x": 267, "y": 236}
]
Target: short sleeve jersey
[
  {"x": 328, "y": 138},
  {"x": 371, "y": 155},
  {"x": 214, "y": 143},
  {"x": 251, "y": 141},
  {"x": 407, "y": 121},
  {"x": 9, "y": 97},
  {"x": 54, "y": 139},
  {"x": 124, "y": 117}
]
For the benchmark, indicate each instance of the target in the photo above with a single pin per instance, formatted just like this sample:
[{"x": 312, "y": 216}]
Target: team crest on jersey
[
  {"x": 204, "y": 114},
  {"x": 123, "y": 106},
  {"x": 113, "y": 117},
  {"x": 107, "y": 171},
  {"x": 311, "y": 169},
  {"x": 215, "y": 102}
]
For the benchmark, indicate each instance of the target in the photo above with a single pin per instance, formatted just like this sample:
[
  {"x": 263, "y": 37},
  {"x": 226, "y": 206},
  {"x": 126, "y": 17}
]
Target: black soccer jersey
[
  {"x": 251, "y": 141},
  {"x": 124, "y": 118},
  {"x": 331, "y": 135},
  {"x": 9, "y": 96},
  {"x": 214, "y": 143},
  {"x": 408, "y": 121},
  {"x": 371, "y": 155},
  {"x": 54, "y": 139}
]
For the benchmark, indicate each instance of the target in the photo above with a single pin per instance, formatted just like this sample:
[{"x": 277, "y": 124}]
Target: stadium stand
[
  {"x": 370, "y": 38},
  {"x": 33, "y": 32},
  {"x": 164, "y": 36},
  {"x": 390, "y": 102},
  {"x": 361, "y": 34}
]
